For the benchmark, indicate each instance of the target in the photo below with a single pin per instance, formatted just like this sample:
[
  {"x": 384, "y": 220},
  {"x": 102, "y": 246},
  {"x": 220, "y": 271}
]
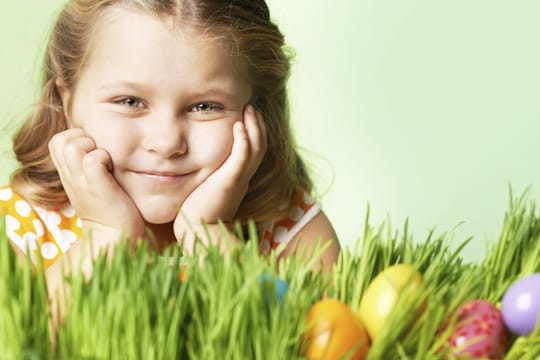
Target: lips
[
  {"x": 161, "y": 176},
  {"x": 159, "y": 173}
]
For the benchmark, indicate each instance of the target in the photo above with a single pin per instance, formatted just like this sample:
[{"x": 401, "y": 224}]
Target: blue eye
[{"x": 202, "y": 107}]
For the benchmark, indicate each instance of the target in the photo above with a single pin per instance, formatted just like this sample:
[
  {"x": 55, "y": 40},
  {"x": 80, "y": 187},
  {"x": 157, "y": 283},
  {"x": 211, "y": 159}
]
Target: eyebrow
[
  {"x": 210, "y": 91},
  {"x": 125, "y": 84},
  {"x": 213, "y": 91}
]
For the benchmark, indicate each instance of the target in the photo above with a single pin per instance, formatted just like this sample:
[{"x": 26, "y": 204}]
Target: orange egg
[
  {"x": 334, "y": 331},
  {"x": 381, "y": 295}
]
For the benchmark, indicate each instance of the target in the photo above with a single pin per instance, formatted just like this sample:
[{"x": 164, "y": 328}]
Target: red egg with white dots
[{"x": 479, "y": 332}]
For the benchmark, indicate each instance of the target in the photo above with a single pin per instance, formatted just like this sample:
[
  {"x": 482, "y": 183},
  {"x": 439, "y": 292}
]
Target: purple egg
[{"x": 521, "y": 305}]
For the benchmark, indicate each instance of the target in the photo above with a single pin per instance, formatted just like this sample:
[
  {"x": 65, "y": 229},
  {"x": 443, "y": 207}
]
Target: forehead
[{"x": 159, "y": 40}]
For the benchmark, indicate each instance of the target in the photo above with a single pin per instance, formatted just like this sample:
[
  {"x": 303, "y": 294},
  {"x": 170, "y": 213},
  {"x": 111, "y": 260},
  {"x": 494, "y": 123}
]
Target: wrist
[
  {"x": 204, "y": 230},
  {"x": 218, "y": 234},
  {"x": 102, "y": 233}
]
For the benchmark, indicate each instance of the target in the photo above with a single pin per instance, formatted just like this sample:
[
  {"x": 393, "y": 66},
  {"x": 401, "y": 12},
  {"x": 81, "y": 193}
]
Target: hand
[
  {"x": 220, "y": 195},
  {"x": 94, "y": 193}
]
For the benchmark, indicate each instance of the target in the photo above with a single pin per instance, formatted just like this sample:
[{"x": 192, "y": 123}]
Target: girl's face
[{"x": 162, "y": 103}]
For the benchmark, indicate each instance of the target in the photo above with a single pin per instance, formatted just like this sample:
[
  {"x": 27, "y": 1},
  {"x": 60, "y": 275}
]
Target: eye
[
  {"x": 202, "y": 107},
  {"x": 132, "y": 102}
]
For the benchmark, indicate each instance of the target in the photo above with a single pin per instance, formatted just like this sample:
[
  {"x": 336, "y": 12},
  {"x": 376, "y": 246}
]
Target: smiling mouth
[{"x": 162, "y": 177}]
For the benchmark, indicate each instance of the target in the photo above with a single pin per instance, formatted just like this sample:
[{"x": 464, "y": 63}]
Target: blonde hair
[{"x": 257, "y": 42}]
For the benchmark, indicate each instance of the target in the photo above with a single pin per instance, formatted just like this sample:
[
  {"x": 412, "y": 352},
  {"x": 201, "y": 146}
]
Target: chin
[
  {"x": 158, "y": 220},
  {"x": 158, "y": 216},
  {"x": 157, "y": 209}
]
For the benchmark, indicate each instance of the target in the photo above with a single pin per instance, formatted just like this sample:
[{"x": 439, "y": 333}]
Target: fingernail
[{"x": 250, "y": 109}]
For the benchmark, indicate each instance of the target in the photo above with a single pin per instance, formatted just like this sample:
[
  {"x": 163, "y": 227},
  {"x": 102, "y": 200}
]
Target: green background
[{"x": 424, "y": 109}]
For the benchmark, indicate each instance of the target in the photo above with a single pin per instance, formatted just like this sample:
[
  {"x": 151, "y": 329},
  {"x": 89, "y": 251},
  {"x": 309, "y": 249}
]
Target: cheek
[
  {"x": 212, "y": 143},
  {"x": 114, "y": 141},
  {"x": 110, "y": 135}
]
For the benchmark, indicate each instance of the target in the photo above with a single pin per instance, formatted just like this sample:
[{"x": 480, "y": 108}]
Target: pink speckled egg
[{"x": 479, "y": 332}]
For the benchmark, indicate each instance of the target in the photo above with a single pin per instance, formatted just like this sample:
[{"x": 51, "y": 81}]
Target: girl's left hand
[{"x": 220, "y": 195}]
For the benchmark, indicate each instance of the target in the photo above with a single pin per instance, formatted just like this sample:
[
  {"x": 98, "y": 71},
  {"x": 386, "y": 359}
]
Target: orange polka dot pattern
[
  {"x": 34, "y": 228},
  {"x": 53, "y": 231},
  {"x": 305, "y": 208}
]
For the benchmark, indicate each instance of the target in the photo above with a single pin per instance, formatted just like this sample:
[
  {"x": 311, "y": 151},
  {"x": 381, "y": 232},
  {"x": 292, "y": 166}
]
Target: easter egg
[
  {"x": 273, "y": 288},
  {"x": 479, "y": 331},
  {"x": 520, "y": 305},
  {"x": 381, "y": 295},
  {"x": 334, "y": 331},
  {"x": 182, "y": 274}
]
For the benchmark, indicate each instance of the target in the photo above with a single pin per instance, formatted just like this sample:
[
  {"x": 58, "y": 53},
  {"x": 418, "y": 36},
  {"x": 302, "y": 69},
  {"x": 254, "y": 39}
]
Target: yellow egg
[{"x": 382, "y": 294}]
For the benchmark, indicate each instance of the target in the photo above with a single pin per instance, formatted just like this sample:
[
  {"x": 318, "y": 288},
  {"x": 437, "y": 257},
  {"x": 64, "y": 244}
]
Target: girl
[{"x": 155, "y": 117}]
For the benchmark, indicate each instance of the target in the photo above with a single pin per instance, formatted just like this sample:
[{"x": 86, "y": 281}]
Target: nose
[{"x": 166, "y": 136}]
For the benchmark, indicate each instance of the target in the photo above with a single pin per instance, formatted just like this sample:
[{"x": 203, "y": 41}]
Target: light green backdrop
[{"x": 425, "y": 109}]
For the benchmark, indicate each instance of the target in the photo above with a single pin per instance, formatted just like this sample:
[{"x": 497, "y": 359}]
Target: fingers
[
  {"x": 67, "y": 150},
  {"x": 241, "y": 148},
  {"x": 97, "y": 166},
  {"x": 94, "y": 193},
  {"x": 78, "y": 162},
  {"x": 249, "y": 146},
  {"x": 256, "y": 132},
  {"x": 74, "y": 151},
  {"x": 249, "y": 140},
  {"x": 57, "y": 144},
  {"x": 256, "y": 135}
]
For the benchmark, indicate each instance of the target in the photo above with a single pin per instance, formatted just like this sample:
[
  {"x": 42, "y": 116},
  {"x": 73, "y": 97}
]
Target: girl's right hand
[{"x": 85, "y": 172}]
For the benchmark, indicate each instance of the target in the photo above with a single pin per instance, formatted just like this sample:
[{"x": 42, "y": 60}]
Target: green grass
[{"x": 135, "y": 306}]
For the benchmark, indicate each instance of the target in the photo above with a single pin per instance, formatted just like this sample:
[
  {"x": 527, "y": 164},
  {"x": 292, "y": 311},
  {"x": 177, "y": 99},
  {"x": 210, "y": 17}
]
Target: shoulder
[
  {"x": 34, "y": 228},
  {"x": 302, "y": 210},
  {"x": 7, "y": 195},
  {"x": 303, "y": 231},
  {"x": 13, "y": 205}
]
